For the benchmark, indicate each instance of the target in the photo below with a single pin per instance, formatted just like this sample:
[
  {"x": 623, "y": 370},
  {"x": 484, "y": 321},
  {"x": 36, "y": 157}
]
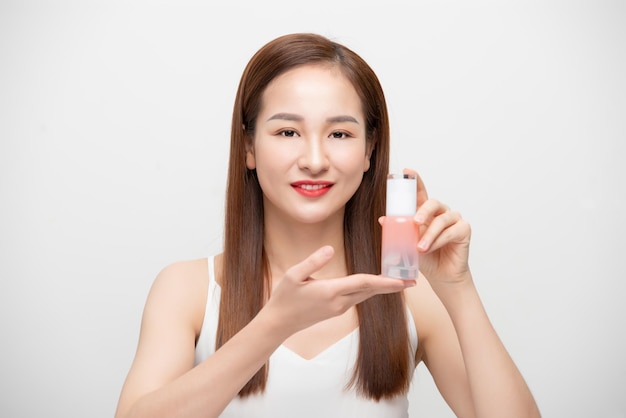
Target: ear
[
  {"x": 250, "y": 159},
  {"x": 368, "y": 155}
]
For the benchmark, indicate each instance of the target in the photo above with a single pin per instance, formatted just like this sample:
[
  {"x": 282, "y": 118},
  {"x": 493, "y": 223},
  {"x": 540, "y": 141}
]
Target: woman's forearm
[
  {"x": 498, "y": 388},
  {"x": 207, "y": 389}
]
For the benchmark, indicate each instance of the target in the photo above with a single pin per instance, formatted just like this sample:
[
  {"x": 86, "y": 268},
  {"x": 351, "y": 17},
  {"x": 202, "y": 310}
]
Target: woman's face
[{"x": 309, "y": 148}]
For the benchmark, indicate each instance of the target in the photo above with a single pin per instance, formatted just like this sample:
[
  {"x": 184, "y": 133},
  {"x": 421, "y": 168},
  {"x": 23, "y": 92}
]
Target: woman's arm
[
  {"x": 463, "y": 336},
  {"x": 472, "y": 370},
  {"x": 162, "y": 381},
  {"x": 498, "y": 388}
]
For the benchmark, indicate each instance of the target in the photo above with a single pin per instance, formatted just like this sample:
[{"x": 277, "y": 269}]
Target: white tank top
[{"x": 301, "y": 388}]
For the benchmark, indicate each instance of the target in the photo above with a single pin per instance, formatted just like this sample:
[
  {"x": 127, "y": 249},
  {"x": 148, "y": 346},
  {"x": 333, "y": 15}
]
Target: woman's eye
[
  {"x": 339, "y": 135},
  {"x": 288, "y": 133}
]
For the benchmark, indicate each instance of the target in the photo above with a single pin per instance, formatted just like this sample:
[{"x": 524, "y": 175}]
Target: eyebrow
[
  {"x": 298, "y": 118},
  {"x": 286, "y": 116}
]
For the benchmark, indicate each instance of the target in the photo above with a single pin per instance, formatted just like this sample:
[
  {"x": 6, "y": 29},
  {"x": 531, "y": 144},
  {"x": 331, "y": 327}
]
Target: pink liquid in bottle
[{"x": 400, "y": 234}]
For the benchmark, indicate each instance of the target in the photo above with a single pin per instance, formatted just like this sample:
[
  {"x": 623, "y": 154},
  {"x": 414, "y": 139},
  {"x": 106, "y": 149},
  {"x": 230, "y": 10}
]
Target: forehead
[{"x": 312, "y": 85}]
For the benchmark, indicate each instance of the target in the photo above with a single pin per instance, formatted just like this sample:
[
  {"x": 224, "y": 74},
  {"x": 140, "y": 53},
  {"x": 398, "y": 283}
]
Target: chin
[{"x": 319, "y": 218}]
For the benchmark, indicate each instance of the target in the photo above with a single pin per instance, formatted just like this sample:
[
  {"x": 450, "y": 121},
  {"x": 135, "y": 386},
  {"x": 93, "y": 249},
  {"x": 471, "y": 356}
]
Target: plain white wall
[{"x": 114, "y": 124}]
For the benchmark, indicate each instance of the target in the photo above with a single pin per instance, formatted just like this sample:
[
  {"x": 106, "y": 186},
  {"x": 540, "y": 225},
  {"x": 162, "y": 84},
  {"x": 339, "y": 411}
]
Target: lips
[{"x": 312, "y": 188}]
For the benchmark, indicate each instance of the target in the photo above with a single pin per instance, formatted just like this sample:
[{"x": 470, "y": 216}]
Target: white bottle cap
[{"x": 401, "y": 194}]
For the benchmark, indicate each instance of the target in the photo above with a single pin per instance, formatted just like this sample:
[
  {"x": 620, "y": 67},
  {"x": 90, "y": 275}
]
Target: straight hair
[{"x": 384, "y": 361}]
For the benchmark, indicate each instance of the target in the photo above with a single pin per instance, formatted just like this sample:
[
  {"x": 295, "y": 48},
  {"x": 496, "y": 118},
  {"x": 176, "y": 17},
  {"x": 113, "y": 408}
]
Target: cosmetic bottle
[{"x": 399, "y": 258}]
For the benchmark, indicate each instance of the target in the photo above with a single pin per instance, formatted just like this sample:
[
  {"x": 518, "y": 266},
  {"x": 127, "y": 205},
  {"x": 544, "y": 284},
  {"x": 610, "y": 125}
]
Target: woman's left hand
[{"x": 444, "y": 239}]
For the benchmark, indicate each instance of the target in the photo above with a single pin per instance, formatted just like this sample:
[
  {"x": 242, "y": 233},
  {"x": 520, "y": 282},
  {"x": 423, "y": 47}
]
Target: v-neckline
[
  {"x": 211, "y": 266},
  {"x": 332, "y": 347}
]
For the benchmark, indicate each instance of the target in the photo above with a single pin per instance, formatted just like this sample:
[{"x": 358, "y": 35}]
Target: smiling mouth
[{"x": 312, "y": 189}]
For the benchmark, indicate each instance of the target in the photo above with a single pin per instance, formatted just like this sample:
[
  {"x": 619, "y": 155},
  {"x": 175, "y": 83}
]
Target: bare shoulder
[
  {"x": 172, "y": 319},
  {"x": 428, "y": 312},
  {"x": 439, "y": 347},
  {"x": 186, "y": 272},
  {"x": 424, "y": 304},
  {"x": 181, "y": 287}
]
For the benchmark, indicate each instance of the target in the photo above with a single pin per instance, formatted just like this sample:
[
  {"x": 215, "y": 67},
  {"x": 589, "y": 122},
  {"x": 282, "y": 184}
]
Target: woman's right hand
[{"x": 300, "y": 300}]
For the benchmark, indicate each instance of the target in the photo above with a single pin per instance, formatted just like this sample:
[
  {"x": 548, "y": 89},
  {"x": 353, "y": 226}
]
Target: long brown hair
[{"x": 383, "y": 365}]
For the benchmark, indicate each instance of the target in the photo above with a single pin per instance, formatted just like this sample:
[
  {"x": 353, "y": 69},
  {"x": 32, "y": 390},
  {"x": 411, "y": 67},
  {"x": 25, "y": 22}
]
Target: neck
[{"x": 289, "y": 243}]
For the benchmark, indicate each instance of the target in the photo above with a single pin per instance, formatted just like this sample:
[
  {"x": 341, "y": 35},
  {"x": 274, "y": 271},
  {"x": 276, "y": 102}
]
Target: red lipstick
[{"x": 310, "y": 188}]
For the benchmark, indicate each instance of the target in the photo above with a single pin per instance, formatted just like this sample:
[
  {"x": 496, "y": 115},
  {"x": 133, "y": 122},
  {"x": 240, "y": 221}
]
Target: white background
[{"x": 114, "y": 131}]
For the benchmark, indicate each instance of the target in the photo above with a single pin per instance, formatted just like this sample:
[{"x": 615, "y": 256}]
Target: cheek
[
  {"x": 351, "y": 158},
  {"x": 274, "y": 156},
  {"x": 272, "y": 163}
]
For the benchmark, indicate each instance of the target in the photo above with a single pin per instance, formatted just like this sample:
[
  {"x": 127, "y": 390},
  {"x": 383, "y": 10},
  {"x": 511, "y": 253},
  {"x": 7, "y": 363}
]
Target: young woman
[{"x": 293, "y": 319}]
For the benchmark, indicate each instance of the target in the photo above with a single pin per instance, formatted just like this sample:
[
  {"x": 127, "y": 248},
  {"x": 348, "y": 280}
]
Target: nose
[{"x": 314, "y": 155}]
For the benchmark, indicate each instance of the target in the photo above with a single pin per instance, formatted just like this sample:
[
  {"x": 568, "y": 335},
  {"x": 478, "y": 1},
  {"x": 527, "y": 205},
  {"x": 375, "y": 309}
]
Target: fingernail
[
  {"x": 423, "y": 245},
  {"x": 419, "y": 219}
]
